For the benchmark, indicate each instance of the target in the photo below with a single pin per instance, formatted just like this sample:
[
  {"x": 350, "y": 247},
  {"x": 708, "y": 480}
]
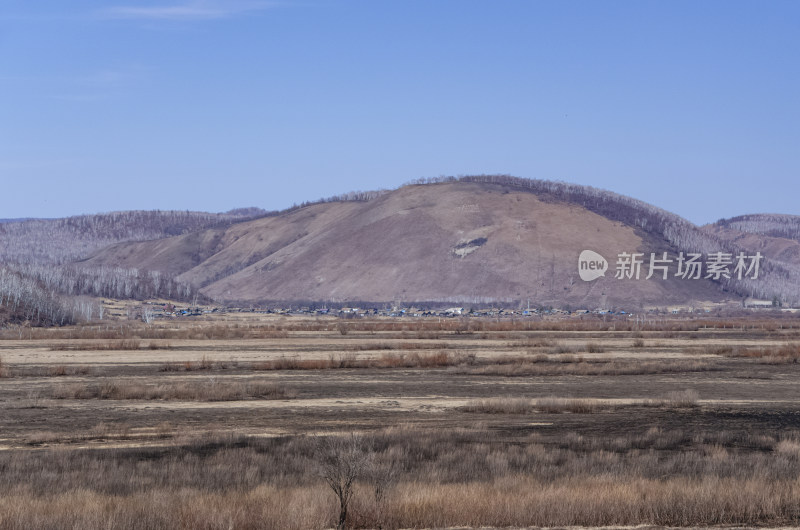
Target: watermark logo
[
  {"x": 717, "y": 266},
  {"x": 591, "y": 265}
]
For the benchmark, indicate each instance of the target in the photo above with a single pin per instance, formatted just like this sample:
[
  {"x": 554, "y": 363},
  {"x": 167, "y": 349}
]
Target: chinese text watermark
[{"x": 662, "y": 265}]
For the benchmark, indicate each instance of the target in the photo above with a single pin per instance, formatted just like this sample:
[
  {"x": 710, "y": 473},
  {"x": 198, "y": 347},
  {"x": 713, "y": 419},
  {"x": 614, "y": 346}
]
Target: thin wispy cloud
[{"x": 186, "y": 11}]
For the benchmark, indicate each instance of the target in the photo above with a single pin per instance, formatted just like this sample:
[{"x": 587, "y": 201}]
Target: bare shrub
[
  {"x": 342, "y": 461},
  {"x": 347, "y": 360},
  {"x": 382, "y": 474},
  {"x": 205, "y": 363}
]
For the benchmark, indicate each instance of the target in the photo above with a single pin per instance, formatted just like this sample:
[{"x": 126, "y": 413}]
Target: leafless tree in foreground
[
  {"x": 382, "y": 473},
  {"x": 342, "y": 461}
]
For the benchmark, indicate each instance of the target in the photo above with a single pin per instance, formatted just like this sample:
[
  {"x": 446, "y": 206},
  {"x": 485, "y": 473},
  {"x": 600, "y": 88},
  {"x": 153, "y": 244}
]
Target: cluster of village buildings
[{"x": 450, "y": 312}]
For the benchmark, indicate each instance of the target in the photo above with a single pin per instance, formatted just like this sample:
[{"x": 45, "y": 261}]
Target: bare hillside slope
[
  {"x": 467, "y": 241},
  {"x": 776, "y": 236}
]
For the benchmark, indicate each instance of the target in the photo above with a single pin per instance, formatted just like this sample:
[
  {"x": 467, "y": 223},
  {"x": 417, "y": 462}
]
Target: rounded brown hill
[{"x": 461, "y": 242}]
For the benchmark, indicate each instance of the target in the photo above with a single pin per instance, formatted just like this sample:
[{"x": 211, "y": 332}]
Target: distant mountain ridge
[
  {"x": 57, "y": 241},
  {"x": 40, "y": 285},
  {"x": 772, "y": 225},
  {"x": 486, "y": 239},
  {"x": 416, "y": 243},
  {"x": 776, "y": 236}
]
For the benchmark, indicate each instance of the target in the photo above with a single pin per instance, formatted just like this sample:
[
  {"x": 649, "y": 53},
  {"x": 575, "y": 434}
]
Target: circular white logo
[{"x": 591, "y": 265}]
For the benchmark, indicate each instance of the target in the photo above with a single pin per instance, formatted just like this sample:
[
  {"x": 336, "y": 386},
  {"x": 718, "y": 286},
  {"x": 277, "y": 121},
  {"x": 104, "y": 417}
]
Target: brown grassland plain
[{"x": 249, "y": 421}]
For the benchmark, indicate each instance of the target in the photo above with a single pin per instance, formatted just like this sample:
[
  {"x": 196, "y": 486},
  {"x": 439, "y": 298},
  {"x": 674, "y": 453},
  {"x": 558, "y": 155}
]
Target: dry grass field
[{"x": 253, "y": 421}]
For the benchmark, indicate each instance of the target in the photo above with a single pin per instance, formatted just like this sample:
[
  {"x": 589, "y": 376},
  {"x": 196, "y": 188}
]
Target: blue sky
[{"x": 215, "y": 104}]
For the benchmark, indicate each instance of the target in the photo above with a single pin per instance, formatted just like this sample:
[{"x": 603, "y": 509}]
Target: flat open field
[{"x": 232, "y": 422}]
